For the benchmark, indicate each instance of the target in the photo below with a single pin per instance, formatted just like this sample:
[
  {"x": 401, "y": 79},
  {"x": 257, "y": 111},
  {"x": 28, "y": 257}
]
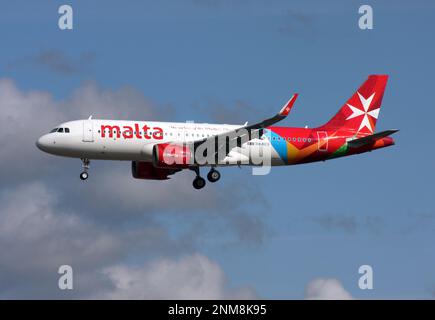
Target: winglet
[{"x": 285, "y": 110}]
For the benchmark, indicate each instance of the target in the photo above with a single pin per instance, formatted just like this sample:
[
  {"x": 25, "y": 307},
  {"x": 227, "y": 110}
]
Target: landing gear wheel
[
  {"x": 84, "y": 175},
  {"x": 213, "y": 175},
  {"x": 85, "y": 164},
  {"x": 199, "y": 183}
]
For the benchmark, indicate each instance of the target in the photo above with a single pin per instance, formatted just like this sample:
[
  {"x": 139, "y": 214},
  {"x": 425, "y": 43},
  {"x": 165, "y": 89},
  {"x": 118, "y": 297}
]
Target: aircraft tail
[{"x": 360, "y": 112}]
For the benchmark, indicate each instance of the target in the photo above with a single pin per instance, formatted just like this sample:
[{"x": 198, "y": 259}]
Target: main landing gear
[
  {"x": 199, "y": 182},
  {"x": 84, "y": 175},
  {"x": 213, "y": 175}
]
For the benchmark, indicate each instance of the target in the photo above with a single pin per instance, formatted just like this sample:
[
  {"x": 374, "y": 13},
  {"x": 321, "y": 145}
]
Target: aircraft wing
[
  {"x": 222, "y": 140},
  {"x": 370, "y": 139},
  {"x": 282, "y": 114}
]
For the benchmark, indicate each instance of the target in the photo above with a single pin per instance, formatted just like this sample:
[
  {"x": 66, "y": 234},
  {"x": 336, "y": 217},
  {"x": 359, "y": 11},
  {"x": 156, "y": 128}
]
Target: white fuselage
[{"x": 134, "y": 140}]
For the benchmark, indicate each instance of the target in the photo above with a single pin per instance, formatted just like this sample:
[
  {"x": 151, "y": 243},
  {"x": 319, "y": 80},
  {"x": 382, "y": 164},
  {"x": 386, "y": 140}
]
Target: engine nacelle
[
  {"x": 167, "y": 155},
  {"x": 146, "y": 170}
]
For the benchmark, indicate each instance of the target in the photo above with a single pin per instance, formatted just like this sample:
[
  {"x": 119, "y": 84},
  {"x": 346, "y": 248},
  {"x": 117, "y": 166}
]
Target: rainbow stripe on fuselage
[{"x": 302, "y": 145}]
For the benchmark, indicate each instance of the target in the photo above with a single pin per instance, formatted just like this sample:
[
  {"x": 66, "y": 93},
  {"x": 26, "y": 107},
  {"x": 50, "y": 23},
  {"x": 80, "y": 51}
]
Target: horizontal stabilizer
[{"x": 370, "y": 139}]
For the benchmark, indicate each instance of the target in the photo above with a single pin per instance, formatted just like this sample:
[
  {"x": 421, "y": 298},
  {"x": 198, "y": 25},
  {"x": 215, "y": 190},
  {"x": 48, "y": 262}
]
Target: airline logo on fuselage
[{"x": 130, "y": 132}]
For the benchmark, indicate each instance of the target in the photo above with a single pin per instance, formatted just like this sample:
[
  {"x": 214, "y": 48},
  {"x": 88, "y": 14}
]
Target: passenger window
[
  {"x": 60, "y": 130},
  {"x": 66, "y": 130}
]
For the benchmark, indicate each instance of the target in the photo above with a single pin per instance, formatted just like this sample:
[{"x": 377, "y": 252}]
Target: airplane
[{"x": 158, "y": 150}]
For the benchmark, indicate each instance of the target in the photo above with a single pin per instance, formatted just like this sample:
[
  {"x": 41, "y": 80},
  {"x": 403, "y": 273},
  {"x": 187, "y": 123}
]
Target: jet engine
[
  {"x": 167, "y": 155},
  {"x": 146, "y": 170}
]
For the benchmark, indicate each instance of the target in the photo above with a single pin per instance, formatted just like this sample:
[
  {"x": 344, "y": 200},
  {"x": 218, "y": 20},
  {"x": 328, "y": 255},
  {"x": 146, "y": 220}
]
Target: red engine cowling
[
  {"x": 146, "y": 170},
  {"x": 167, "y": 155}
]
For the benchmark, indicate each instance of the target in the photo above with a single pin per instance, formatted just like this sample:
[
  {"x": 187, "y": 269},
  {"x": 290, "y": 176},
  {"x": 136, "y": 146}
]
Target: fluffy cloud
[
  {"x": 191, "y": 277},
  {"x": 117, "y": 187},
  {"x": 115, "y": 196},
  {"x": 326, "y": 289},
  {"x": 123, "y": 103},
  {"x": 37, "y": 236},
  {"x": 20, "y": 125}
]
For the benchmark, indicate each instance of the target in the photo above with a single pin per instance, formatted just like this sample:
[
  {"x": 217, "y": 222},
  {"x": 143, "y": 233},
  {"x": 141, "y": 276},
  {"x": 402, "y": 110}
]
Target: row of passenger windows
[
  {"x": 294, "y": 139},
  {"x": 290, "y": 139},
  {"x": 151, "y": 133},
  {"x": 66, "y": 130}
]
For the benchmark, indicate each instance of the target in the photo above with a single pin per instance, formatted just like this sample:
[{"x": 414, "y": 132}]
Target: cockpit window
[{"x": 66, "y": 130}]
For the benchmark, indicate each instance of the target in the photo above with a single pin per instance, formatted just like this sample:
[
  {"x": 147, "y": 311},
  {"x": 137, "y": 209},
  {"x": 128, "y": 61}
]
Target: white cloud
[
  {"x": 37, "y": 235},
  {"x": 33, "y": 229},
  {"x": 24, "y": 117},
  {"x": 123, "y": 103},
  {"x": 326, "y": 289},
  {"x": 119, "y": 187},
  {"x": 191, "y": 277},
  {"x": 115, "y": 195}
]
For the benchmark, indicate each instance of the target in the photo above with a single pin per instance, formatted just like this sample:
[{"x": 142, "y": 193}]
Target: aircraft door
[
  {"x": 88, "y": 131},
  {"x": 322, "y": 140}
]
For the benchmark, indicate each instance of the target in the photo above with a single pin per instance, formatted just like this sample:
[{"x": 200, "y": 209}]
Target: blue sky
[{"x": 192, "y": 58}]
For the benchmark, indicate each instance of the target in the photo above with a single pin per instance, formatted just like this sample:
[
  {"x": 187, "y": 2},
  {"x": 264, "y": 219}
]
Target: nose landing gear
[{"x": 84, "y": 175}]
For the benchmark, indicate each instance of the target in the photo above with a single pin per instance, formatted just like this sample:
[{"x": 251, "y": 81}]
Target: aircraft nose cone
[{"x": 42, "y": 143}]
